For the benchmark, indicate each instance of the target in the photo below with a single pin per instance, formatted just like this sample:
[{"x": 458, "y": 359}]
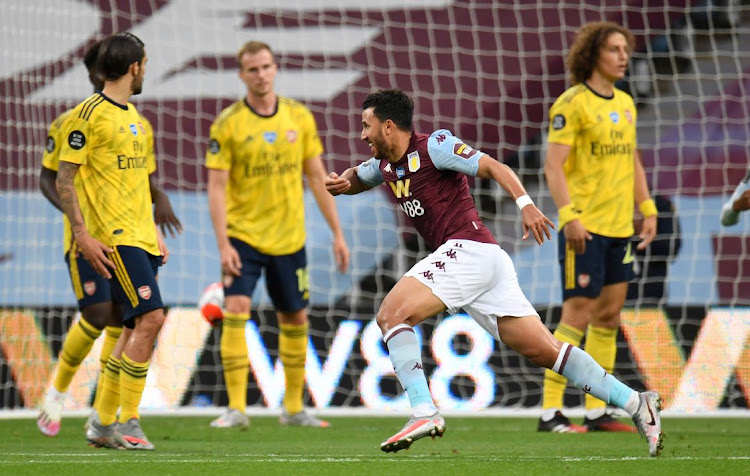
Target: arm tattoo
[{"x": 68, "y": 199}]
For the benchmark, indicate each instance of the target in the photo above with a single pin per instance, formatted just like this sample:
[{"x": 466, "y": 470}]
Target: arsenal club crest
[
  {"x": 291, "y": 136},
  {"x": 89, "y": 287},
  {"x": 584, "y": 280},
  {"x": 145, "y": 292}
]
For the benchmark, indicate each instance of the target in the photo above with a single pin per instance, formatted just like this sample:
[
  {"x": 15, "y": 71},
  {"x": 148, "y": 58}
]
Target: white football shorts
[{"x": 476, "y": 277}]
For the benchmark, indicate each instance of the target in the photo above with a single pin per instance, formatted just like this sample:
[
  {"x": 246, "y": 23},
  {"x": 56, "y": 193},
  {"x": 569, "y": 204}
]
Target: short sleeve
[
  {"x": 313, "y": 146},
  {"x": 564, "y": 122},
  {"x": 219, "y": 155},
  {"x": 369, "y": 173},
  {"x": 150, "y": 154},
  {"x": 448, "y": 152},
  {"x": 77, "y": 141},
  {"x": 51, "y": 157}
]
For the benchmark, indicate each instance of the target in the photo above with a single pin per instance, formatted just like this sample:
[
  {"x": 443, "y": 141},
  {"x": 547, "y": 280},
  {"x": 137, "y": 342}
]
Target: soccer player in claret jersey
[
  {"x": 595, "y": 176},
  {"x": 114, "y": 229},
  {"x": 92, "y": 291},
  {"x": 260, "y": 149},
  {"x": 468, "y": 269}
]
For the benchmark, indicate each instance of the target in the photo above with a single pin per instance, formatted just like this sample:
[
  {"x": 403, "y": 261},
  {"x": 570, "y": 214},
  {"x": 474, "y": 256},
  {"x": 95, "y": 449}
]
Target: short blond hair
[{"x": 252, "y": 47}]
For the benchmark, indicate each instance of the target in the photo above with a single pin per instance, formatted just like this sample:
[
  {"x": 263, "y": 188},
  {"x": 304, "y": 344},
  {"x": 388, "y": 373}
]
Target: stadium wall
[{"x": 697, "y": 368}]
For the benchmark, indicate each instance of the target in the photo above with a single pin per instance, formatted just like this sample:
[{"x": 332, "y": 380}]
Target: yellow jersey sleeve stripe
[
  {"x": 75, "y": 275},
  {"x": 86, "y": 113},
  {"x": 84, "y": 108},
  {"x": 123, "y": 278},
  {"x": 570, "y": 267}
]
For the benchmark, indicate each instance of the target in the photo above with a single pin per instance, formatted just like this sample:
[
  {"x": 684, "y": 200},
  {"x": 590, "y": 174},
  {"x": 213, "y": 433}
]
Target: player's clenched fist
[{"x": 337, "y": 185}]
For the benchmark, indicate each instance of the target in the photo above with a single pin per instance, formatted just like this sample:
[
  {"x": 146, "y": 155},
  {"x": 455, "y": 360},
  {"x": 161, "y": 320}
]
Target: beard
[{"x": 137, "y": 87}]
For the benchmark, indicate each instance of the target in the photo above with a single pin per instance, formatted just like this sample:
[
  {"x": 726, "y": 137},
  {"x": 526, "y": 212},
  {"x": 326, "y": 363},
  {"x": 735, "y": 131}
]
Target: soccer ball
[{"x": 211, "y": 304}]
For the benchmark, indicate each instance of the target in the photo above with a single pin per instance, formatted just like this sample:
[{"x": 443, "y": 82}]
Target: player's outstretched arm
[
  {"x": 534, "y": 221},
  {"x": 93, "y": 250},
  {"x": 164, "y": 216},
  {"x": 347, "y": 183},
  {"x": 47, "y": 178}
]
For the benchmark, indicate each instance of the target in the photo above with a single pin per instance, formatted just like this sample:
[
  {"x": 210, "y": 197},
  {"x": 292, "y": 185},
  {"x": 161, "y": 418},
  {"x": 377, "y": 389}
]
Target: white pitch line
[{"x": 256, "y": 458}]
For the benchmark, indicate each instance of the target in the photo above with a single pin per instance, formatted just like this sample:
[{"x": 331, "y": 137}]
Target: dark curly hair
[
  {"x": 589, "y": 40},
  {"x": 392, "y": 104}
]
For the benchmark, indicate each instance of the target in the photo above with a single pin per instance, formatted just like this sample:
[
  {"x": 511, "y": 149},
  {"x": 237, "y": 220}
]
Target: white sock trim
[
  {"x": 560, "y": 357},
  {"x": 395, "y": 329}
]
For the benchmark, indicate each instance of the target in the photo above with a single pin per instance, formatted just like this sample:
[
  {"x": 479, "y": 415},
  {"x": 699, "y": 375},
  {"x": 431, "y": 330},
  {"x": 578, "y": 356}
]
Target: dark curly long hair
[{"x": 584, "y": 52}]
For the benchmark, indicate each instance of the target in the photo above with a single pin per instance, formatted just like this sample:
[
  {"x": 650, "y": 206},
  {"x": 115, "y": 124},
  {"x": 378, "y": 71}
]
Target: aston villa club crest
[
  {"x": 413, "y": 159},
  {"x": 145, "y": 292},
  {"x": 291, "y": 136},
  {"x": 584, "y": 280},
  {"x": 89, "y": 287}
]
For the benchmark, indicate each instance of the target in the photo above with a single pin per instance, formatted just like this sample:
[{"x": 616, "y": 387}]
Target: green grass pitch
[{"x": 351, "y": 446}]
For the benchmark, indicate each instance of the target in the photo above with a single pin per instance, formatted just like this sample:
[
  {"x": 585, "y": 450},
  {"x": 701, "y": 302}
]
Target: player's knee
[
  {"x": 98, "y": 315},
  {"x": 609, "y": 317},
  {"x": 237, "y": 304},
  {"x": 389, "y": 317},
  {"x": 150, "y": 323}
]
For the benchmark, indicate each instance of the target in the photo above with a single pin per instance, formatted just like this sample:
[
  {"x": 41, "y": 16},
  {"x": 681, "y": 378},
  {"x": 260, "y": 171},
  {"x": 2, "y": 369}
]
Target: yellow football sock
[
  {"x": 111, "y": 335},
  {"x": 293, "y": 353},
  {"x": 601, "y": 344},
  {"x": 132, "y": 383},
  {"x": 554, "y": 383},
  {"x": 76, "y": 347},
  {"x": 234, "y": 359},
  {"x": 109, "y": 401}
]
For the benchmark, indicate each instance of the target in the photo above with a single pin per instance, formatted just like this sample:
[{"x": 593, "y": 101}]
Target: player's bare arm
[
  {"x": 575, "y": 233},
  {"x": 743, "y": 203},
  {"x": 534, "y": 221},
  {"x": 47, "y": 178},
  {"x": 93, "y": 250},
  {"x": 648, "y": 229},
  {"x": 217, "y": 185},
  {"x": 316, "y": 175},
  {"x": 164, "y": 216},
  {"x": 347, "y": 183},
  {"x": 163, "y": 248}
]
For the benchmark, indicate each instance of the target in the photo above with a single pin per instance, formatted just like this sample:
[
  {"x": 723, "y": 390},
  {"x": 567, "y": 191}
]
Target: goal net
[{"x": 488, "y": 71}]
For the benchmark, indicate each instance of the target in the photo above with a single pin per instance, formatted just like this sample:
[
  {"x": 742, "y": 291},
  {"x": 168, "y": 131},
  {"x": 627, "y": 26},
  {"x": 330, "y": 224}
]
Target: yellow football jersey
[
  {"x": 264, "y": 156},
  {"x": 114, "y": 146},
  {"x": 600, "y": 168}
]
